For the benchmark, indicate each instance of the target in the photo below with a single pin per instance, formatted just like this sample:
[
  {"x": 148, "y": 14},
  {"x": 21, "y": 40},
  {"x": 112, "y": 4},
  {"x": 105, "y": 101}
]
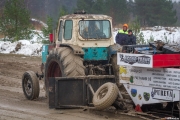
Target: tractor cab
[{"x": 85, "y": 30}]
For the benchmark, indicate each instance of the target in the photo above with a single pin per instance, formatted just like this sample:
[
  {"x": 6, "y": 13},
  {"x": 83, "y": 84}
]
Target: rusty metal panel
[
  {"x": 51, "y": 92},
  {"x": 68, "y": 92}
]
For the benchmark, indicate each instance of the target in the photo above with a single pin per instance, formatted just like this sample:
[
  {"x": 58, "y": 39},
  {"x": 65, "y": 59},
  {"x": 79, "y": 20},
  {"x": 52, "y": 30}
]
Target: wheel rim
[
  {"x": 102, "y": 93},
  {"x": 53, "y": 70},
  {"x": 28, "y": 86}
]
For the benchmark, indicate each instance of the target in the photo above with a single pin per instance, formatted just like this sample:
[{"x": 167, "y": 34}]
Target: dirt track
[{"x": 14, "y": 106}]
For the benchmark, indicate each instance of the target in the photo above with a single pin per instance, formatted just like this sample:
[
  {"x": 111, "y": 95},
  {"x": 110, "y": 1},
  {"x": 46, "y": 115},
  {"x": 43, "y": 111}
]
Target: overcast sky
[{"x": 176, "y": 0}]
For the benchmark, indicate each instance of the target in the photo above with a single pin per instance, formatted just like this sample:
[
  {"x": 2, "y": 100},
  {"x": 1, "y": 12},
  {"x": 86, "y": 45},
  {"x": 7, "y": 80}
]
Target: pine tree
[
  {"x": 51, "y": 23},
  {"x": 63, "y": 11},
  {"x": 155, "y": 12},
  {"x": 49, "y": 29},
  {"x": 176, "y": 6},
  {"x": 98, "y": 7},
  {"x": 117, "y": 9},
  {"x": 85, "y": 5},
  {"x": 15, "y": 21}
]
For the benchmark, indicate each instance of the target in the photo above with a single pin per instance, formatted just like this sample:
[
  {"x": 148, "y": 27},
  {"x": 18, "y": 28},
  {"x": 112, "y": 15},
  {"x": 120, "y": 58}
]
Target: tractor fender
[{"x": 76, "y": 49}]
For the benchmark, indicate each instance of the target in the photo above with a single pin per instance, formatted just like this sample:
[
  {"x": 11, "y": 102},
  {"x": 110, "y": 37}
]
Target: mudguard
[{"x": 76, "y": 49}]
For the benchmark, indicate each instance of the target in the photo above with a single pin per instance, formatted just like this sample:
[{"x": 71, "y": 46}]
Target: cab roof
[{"x": 86, "y": 16}]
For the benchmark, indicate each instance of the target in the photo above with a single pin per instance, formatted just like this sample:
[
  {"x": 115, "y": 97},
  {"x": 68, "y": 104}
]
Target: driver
[{"x": 92, "y": 31}]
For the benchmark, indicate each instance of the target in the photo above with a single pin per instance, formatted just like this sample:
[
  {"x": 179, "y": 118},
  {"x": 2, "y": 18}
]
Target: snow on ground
[
  {"x": 33, "y": 47},
  {"x": 29, "y": 49},
  {"x": 166, "y": 34},
  {"x": 37, "y": 36},
  {"x": 21, "y": 47}
]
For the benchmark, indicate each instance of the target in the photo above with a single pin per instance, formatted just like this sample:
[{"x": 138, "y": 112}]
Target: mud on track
[{"x": 14, "y": 106}]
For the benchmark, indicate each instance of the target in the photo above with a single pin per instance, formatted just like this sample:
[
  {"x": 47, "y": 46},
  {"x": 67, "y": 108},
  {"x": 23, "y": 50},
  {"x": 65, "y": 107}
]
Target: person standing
[
  {"x": 131, "y": 39},
  {"x": 121, "y": 37}
]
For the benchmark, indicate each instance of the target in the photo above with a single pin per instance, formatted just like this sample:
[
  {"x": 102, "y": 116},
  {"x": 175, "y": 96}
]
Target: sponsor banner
[
  {"x": 148, "y": 95},
  {"x": 167, "y": 78},
  {"x": 138, "y": 60},
  {"x": 162, "y": 94}
]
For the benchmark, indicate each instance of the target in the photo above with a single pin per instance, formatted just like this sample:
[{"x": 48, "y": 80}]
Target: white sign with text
[
  {"x": 147, "y": 95},
  {"x": 138, "y": 60},
  {"x": 167, "y": 78}
]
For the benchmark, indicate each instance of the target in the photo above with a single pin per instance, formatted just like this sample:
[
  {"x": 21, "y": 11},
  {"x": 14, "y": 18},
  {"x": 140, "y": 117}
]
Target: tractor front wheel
[{"x": 30, "y": 85}]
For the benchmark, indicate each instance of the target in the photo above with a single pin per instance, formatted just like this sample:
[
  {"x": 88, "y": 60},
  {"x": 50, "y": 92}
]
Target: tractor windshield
[{"x": 95, "y": 29}]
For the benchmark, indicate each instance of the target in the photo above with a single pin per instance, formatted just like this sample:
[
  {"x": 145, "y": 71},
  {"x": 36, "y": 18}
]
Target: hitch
[{"x": 40, "y": 76}]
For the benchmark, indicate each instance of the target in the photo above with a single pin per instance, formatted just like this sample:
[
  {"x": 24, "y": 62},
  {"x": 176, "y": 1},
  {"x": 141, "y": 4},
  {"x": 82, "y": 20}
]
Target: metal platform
[{"x": 69, "y": 92}]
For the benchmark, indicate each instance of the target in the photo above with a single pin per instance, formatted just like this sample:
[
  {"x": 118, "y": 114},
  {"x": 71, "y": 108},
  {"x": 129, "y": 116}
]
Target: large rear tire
[
  {"x": 30, "y": 85},
  {"x": 105, "y": 96},
  {"x": 62, "y": 62}
]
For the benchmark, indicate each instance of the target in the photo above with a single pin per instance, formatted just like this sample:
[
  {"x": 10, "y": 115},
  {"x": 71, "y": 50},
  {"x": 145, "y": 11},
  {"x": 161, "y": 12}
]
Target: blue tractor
[{"x": 80, "y": 64}]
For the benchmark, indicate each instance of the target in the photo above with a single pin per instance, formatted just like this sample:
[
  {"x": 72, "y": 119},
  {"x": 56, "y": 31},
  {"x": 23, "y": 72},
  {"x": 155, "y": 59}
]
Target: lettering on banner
[
  {"x": 161, "y": 82},
  {"x": 149, "y": 78},
  {"x": 159, "y": 74},
  {"x": 136, "y": 77},
  {"x": 142, "y": 78},
  {"x": 166, "y": 78},
  {"x": 135, "y": 59},
  {"x": 165, "y": 70},
  {"x": 159, "y": 78},
  {"x": 167, "y": 86},
  {"x": 136, "y": 70},
  {"x": 162, "y": 94},
  {"x": 175, "y": 79},
  {"x": 171, "y": 75},
  {"x": 154, "y": 70},
  {"x": 155, "y": 85},
  {"x": 176, "y": 72}
]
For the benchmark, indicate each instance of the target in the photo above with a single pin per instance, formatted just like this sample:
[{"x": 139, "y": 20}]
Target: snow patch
[
  {"x": 26, "y": 48},
  {"x": 32, "y": 47},
  {"x": 41, "y": 22}
]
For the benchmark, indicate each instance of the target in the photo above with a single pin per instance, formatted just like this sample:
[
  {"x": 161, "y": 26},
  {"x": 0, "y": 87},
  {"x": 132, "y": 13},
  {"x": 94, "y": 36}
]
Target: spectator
[
  {"x": 121, "y": 37},
  {"x": 131, "y": 39}
]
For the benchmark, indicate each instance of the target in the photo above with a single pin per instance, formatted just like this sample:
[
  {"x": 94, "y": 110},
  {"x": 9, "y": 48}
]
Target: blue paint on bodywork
[
  {"x": 98, "y": 53},
  {"x": 90, "y": 53},
  {"x": 44, "y": 53}
]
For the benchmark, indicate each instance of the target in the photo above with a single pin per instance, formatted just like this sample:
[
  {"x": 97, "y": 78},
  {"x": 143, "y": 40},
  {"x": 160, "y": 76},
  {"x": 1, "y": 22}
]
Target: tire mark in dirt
[
  {"x": 23, "y": 115},
  {"x": 9, "y": 81}
]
